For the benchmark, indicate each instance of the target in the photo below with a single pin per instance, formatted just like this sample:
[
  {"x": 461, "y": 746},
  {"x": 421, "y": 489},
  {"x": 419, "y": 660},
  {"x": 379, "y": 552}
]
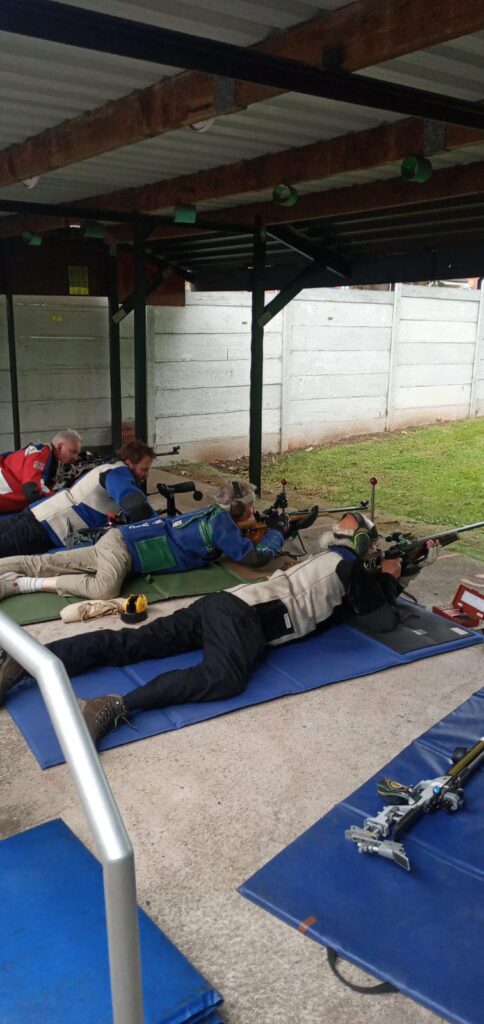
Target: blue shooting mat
[
  {"x": 423, "y": 930},
  {"x": 339, "y": 653},
  {"x": 54, "y": 955}
]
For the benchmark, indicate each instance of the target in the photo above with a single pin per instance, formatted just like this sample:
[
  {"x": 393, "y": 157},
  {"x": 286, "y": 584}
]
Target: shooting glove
[
  {"x": 433, "y": 554},
  {"x": 32, "y": 492},
  {"x": 301, "y": 522},
  {"x": 274, "y": 521},
  {"x": 411, "y": 568},
  {"x": 292, "y": 530}
]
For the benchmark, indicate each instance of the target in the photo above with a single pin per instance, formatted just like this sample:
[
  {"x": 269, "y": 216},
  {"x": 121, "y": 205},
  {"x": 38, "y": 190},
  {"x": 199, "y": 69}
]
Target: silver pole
[{"x": 112, "y": 841}]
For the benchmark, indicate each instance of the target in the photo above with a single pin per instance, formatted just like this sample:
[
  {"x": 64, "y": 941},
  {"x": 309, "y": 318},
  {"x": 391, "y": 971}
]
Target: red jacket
[{"x": 26, "y": 476}]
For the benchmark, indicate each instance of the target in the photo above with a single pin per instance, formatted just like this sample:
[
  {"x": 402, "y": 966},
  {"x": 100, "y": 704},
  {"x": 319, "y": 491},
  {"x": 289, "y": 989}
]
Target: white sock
[{"x": 27, "y": 584}]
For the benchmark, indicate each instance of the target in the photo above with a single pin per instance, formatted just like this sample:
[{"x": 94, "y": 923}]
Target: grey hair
[
  {"x": 66, "y": 436},
  {"x": 226, "y": 495}
]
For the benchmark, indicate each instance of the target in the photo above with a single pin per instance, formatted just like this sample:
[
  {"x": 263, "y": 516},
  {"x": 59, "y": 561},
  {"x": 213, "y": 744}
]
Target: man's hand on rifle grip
[
  {"x": 392, "y": 566},
  {"x": 433, "y": 551}
]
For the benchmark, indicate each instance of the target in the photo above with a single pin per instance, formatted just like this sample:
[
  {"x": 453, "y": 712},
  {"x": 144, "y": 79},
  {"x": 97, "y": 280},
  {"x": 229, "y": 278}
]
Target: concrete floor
[{"x": 207, "y": 805}]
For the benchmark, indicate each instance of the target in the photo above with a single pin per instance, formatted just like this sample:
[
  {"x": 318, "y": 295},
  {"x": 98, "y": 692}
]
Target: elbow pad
[
  {"x": 136, "y": 507},
  {"x": 31, "y": 492},
  {"x": 381, "y": 620}
]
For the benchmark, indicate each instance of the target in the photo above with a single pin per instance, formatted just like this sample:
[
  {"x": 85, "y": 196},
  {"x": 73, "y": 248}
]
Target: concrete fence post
[
  {"x": 393, "y": 360},
  {"x": 478, "y": 350},
  {"x": 286, "y": 369}
]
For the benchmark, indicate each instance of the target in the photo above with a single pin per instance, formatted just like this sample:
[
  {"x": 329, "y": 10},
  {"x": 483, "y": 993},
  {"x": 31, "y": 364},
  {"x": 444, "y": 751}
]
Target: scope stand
[
  {"x": 281, "y": 503},
  {"x": 171, "y": 510}
]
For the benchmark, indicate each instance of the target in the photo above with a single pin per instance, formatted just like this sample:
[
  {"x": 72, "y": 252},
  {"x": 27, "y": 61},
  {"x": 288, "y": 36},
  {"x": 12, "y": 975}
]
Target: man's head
[
  {"x": 357, "y": 532},
  {"x": 138, "y": 457},
  {"x": 237, "y": 497},
  {"x": 66, "y": 446}
]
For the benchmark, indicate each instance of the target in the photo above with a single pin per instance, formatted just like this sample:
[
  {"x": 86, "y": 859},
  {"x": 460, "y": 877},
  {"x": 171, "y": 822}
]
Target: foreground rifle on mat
[
  {"x": 407, "y": 804},
  {"x": 413, "y": 551}
]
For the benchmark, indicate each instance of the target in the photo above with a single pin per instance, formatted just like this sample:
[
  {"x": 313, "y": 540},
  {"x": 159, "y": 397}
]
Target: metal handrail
[{"x": 112, "y": 841}]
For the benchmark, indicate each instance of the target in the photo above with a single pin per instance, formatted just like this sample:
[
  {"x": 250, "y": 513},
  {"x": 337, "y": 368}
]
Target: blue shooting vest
[{"x": 190, "y": 541}]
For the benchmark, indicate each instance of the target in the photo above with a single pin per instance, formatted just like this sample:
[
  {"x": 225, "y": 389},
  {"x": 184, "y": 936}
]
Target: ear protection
[
  {"x": 237, "y": 505},
  {"x": 135, "y": 609},
  {"x": 363, "y": 536}
]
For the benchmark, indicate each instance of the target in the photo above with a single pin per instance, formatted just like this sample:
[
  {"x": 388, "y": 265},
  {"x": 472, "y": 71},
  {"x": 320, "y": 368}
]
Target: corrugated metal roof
[
  {"x": 242, "y": 22},
  {"x": 277, "y": 124},
  {"x": 43, "y": 84},
  {"x": 281, "y": 123},
  {"x": 455, "y": 68}
]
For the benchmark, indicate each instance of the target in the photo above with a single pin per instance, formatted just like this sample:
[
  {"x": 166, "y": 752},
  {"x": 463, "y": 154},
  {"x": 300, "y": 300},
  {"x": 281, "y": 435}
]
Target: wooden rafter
[
  {"x": 451, "y": 183},
  {"x": 367, "y": 32},
  {"x": 318, "y": 161}
]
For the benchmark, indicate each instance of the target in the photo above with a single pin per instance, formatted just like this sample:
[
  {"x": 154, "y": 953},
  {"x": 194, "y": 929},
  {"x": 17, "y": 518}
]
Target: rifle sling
[{"x": 381, "y": 988}]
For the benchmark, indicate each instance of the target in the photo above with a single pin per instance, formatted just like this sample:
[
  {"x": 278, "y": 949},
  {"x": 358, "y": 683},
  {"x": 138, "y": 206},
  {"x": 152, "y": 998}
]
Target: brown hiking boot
[
  {"x": 103, "y": 713},
  {"x": 10, "y": 674}
]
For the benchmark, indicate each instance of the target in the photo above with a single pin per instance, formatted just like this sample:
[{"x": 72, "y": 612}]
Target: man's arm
[
  {"x": 121, "y": 486},
  {"x": 227, "y": 536},
  {"x": 33, "y": 472},
  {"x": 372, "y": 596}
]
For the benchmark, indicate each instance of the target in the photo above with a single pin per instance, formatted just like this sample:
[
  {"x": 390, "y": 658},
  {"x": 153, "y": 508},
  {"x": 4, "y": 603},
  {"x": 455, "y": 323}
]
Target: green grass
[{"x": 428, "y": 477}]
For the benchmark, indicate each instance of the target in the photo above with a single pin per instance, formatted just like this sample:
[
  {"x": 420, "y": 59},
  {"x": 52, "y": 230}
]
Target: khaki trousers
[{"x": 94, "y": 572}]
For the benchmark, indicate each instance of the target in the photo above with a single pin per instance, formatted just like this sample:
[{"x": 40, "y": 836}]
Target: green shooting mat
[{"x": 29, "y": 608}]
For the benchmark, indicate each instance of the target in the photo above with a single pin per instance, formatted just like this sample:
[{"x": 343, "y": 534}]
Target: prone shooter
[{"x": 277, "y": 516}]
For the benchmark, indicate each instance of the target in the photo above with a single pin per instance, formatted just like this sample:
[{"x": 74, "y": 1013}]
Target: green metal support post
[
  {"x": 140, "y": 373},
  {"x": 257, "y": 357},
  {"x": 12, "y": 352},
  {"x": 114, "y": 349}
]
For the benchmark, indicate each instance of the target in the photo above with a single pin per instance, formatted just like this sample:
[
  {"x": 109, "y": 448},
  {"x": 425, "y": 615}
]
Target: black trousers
[
  {"x": 22, "y": 534},
  {"x": 227, "y": 630}
]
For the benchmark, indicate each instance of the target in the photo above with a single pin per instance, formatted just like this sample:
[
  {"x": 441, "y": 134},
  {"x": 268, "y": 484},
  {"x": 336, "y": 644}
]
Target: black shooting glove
[
  {"x": 412, "y": 566},
  {"x": 32, "y": 492},
  {"x": 300, "y": 522},
  {"x": 275, "y": 521}
]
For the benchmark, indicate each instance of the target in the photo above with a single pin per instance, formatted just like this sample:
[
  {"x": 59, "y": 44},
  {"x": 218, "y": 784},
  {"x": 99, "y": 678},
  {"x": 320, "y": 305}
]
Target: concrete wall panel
[
  {"x": 337, "y": 338},
  {"x": 194, "y": 402},
  {"x": 442, "y": 332},
  {"x": 339, "y": 386},
  {"x": 440, "y": 308},
  {"x": 436, "y": 398},
  {"x": 433, "y": 354},
  {"x": 337, "y": 363},
  {"x": 63, "y": 369}
]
